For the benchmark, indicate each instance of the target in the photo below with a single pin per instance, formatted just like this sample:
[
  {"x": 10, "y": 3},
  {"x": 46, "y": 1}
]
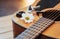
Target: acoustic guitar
[{"x": 46, "y": 25}]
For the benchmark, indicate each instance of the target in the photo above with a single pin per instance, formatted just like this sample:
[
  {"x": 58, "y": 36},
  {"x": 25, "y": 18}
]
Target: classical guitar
[{"x": 45, "y": 25}]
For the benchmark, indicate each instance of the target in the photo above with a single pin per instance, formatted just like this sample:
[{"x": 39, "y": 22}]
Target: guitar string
[
  {"x": 43, "y": 27},
  {"x": 53, "y": 15},
  {"x": 49, "y": 16},
  {"x": 55, "y": 11},
  {"x": 57, "y": 16}
]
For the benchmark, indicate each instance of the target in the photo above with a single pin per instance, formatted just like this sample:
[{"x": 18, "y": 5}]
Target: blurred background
[{"x": 8, "y": 7}]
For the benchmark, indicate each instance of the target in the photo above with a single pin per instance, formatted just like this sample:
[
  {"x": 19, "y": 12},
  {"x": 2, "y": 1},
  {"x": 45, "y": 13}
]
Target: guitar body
[{"x": 51, "y": 32}]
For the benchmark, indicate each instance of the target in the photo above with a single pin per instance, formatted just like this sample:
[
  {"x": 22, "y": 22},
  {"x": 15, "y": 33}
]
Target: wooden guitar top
[{"x": 52, "y": 31}]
